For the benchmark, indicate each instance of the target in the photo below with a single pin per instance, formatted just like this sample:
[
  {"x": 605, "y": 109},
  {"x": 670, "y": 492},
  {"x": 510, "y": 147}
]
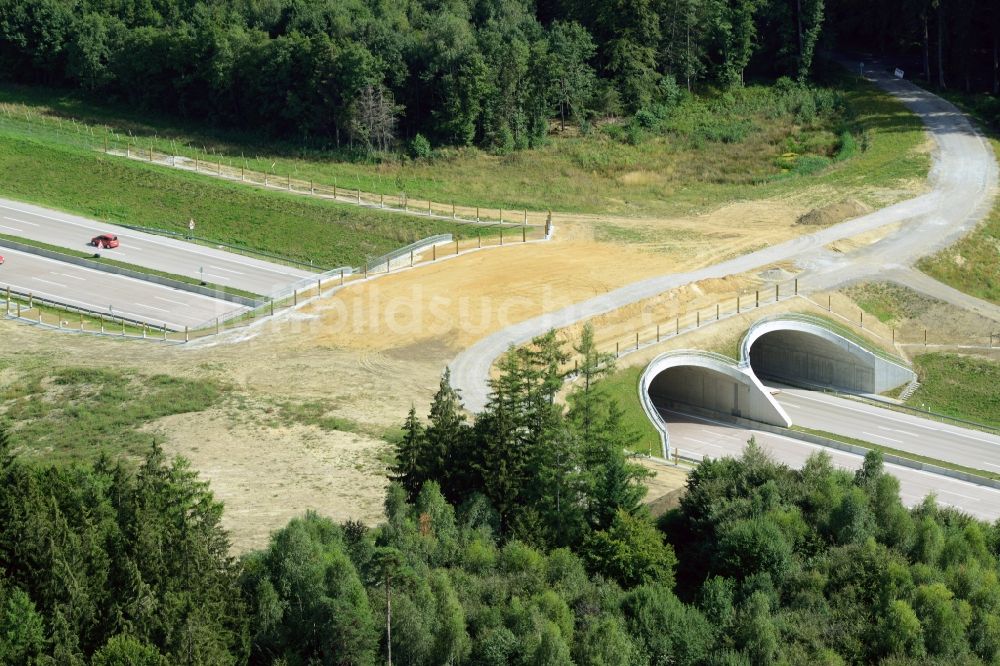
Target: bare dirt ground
[{"x": 268, "y": 475}]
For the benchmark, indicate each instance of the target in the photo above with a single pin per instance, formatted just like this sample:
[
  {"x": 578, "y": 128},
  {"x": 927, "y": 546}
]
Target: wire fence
[
  {"x": 22, "y": 120},
  {"x": 832, "y": 310},
  {"x": 26, "y": 307}
]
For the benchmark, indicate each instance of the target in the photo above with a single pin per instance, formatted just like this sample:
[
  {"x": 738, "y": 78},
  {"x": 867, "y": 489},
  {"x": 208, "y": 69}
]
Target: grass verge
[
  {"x": 964, "y": 387},
  {"x": 40, "y": 169},
  {"x": 896, "y": 452},
  {"x": 132, "y": 267},
  {"x": 320, "y": 415},
  {"x": 623, "y": 387},
  {"x": 71, "y": 414},
  {"x": 972, "y": 265},
  {"x": 673, "y": 173},
  {"x": 72, "y": 319},
  {"x": 890, "y": 303}
]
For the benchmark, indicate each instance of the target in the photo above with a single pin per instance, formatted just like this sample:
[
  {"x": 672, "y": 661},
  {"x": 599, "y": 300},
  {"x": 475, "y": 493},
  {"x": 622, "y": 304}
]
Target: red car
[
  {"x": 1, "y": 259},
  {"x": 105, "y": 241}
]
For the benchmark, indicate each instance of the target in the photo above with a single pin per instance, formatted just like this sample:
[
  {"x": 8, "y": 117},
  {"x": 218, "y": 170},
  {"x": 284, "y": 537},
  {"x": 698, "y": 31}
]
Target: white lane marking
[
  {"x": 49, "y": 282},
  {"x": 160, "y": 298},
  {"x": 952, "y": 492},
  {"x": 14, "y": 219},
  {"x": 217, "y": 277},
  {"x": 150, "y": 307},
  {"x": 4, "y": 226},
  {"x": 225, "y": 270},
  {"x": 954, "y": 430},
  {"x": 901, "y": 432},
  {"x": 901, "y": 472},
  {"x": 692, "y": 439},
  {"x": 991, "y": 464},
  {"x": 873, "y": 434},
  {"x": 71, "y": 277},
  {"x": 258, "y": 265}
]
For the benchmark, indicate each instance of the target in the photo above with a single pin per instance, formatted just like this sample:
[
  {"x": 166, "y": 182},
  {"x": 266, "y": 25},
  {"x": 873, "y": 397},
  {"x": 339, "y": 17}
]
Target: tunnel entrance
[
  {"x": 709, "y": 385},
  {"x": 805, "y": 359},
  {"x": 689, "y": 387}
]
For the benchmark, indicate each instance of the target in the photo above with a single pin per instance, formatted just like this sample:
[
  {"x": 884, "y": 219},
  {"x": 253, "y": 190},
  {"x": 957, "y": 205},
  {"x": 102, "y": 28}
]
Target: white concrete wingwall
[
  {"x": 796, "y": 349},
  {"x": 804, "y": 350},
  {"x": 703, "y": 382}
]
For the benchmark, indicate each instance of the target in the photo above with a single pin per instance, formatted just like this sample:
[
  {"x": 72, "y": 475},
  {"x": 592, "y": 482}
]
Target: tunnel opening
[
  {"x": 709, "y": 385},
  {"x": 687, "y": 388},
  {"x": 822, "y": 360}
]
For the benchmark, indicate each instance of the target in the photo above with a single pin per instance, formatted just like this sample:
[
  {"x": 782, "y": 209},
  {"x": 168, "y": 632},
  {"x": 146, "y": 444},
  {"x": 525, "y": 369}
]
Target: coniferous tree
[{"x": 408, "y": 470}]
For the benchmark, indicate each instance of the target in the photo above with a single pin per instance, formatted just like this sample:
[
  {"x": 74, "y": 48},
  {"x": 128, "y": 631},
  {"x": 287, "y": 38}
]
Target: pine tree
[
  {"x": 409, "y": 456},
  {"x": 592, "y": 365},
  {"x": 445, "y": 441},
  {"x": 617, "y": 482}
]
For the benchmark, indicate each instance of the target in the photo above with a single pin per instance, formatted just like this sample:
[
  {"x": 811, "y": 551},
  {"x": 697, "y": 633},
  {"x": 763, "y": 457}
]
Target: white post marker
[{"x": 191, "y": 226}]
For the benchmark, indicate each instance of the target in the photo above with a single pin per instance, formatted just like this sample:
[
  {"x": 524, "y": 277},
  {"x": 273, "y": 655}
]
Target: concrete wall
[
  {"x": 708, "y": 384},
  {"x": 805, "y": 353}
]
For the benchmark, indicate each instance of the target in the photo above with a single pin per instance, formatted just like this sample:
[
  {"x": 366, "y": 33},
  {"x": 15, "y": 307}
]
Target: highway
[
  {"x": 169, "y": 255},
  {"x": 696, "y": 437},
  {"x": 109, "y": 293},
  {"x": 904, "y": 432}
]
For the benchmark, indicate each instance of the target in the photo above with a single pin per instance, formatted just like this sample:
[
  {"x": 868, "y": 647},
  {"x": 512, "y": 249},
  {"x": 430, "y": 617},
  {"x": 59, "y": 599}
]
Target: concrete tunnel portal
[{"x": 793, "y": 349}]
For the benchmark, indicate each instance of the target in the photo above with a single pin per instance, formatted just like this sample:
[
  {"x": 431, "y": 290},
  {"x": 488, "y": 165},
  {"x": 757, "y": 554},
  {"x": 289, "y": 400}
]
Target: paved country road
[
  {"x": 963, "y": 181},
  {"x": 170, "y": 255},
  {"x": 108, "y": 293},
  {"x": 696, "y": 438}
]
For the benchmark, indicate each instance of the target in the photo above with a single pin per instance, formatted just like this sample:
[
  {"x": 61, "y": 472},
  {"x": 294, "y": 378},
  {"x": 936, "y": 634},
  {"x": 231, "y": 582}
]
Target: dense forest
[
  {"x": 489, "y": 72},
  {"x": 518, "y": 538}
]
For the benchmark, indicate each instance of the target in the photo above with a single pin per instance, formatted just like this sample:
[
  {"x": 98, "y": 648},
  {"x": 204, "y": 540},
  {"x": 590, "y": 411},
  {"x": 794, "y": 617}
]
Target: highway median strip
[{"x": 93, "y": 260}]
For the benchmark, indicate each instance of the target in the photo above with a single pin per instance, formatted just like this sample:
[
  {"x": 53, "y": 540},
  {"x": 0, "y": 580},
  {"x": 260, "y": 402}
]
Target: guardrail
[
  {"x": 389, "y": 257},
  {"x": 128, "y": 272},
  {"x": 13, "y": 310}
]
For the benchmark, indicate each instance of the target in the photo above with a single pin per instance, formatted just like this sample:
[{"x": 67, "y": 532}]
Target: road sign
[
  {"x": 898, "y": 73},
  {"x": 191, "y": 224}
]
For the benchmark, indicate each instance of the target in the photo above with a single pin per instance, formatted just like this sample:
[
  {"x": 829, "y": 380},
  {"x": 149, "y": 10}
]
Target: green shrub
[
  {"x": 806, "y": 165},
  {"x": 847, "y": 146},
  {"x": 420, "y": 147}
]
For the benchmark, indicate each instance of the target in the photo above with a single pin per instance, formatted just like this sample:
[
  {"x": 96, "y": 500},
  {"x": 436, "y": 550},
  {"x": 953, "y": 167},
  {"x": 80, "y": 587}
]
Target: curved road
[{"x": 963, "y": 181}]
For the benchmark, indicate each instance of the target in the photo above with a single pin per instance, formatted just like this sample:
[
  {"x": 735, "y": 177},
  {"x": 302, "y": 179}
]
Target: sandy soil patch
[
  {"x": 834, "y": 213},
  {"x": 665, "y": 486},
  {"x": 848, "y": 245},
  {"x": 268, "y": 475},
  {"x": 451, "y": 304}
]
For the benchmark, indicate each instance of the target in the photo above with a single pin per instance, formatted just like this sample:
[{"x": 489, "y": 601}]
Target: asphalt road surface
[
  {"x": 963, "y": 183},
  {"x": 905, "y": 432},
  {"x": 108, "y": 293},
  {"x": 697, "y": 438},
  {"x": 169, "y": 255}
]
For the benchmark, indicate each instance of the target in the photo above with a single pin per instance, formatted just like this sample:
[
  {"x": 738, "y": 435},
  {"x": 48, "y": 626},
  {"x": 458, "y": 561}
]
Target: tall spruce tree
[
  {"x": 408, "y": 469},
  {"x": 445, "y": 440}
]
